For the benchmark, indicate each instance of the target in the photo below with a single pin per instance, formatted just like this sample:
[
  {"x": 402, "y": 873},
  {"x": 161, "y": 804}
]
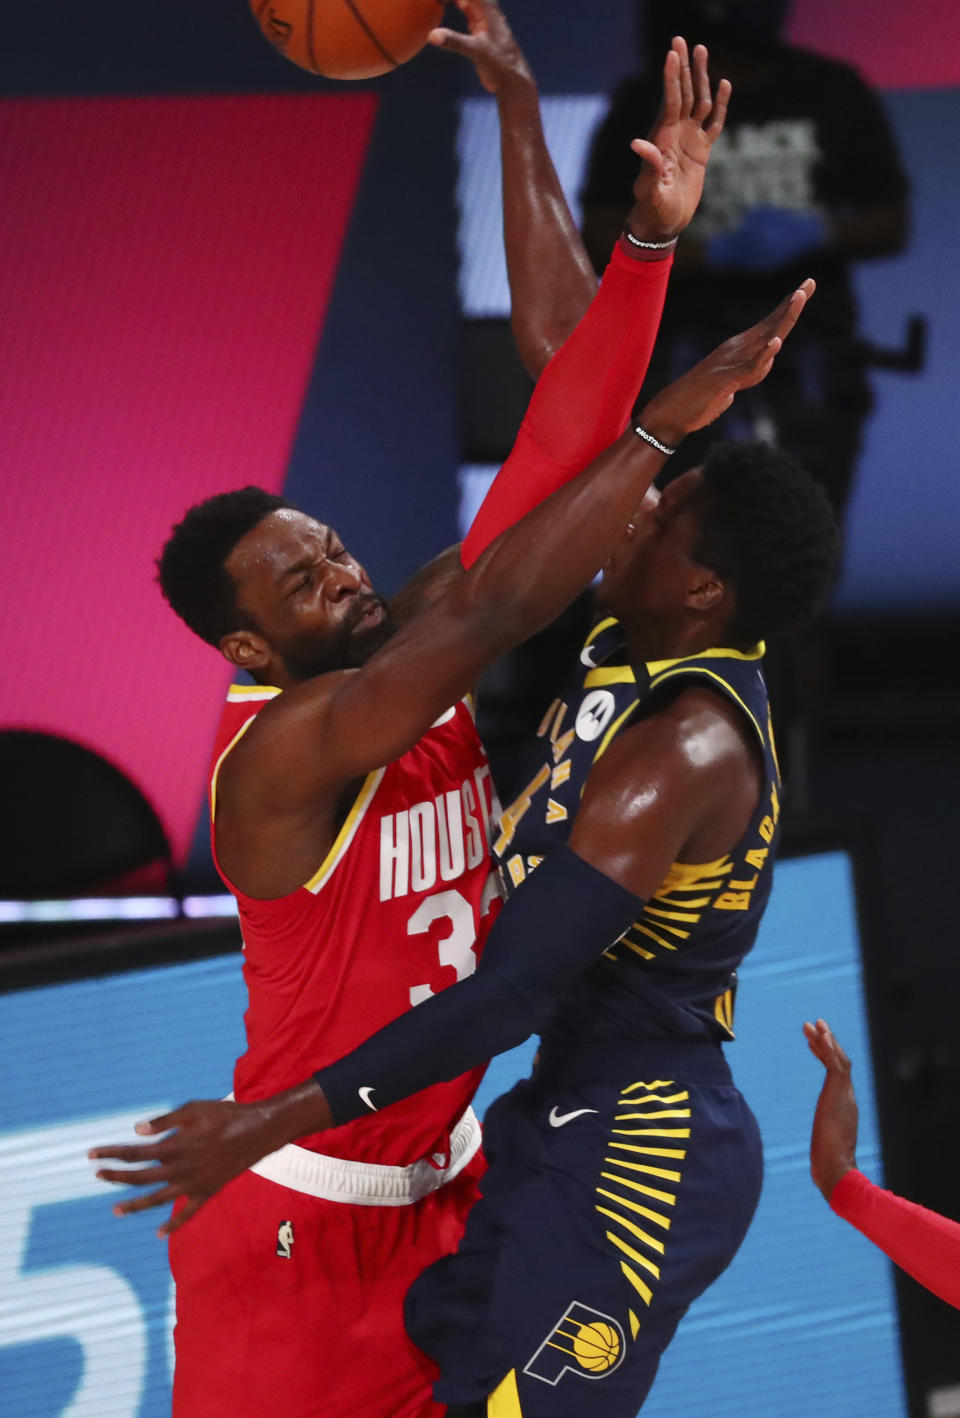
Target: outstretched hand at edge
[
  {"x": 207, "y": 1144},
  {"x": 833, "y": 1142},
  {"x": 700, "y": 396}
]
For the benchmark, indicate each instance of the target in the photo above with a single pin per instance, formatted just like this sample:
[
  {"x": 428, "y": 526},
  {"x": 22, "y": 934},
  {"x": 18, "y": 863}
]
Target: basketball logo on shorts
[
  {"x": 285, "y": 1240},
  {"x": 594, "y": 714},
  {"x": 584, "y": 1341}
]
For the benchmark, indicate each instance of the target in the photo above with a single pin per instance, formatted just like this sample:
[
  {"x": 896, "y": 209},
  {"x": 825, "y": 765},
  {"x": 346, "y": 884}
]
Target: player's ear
[
  {"x": 245, "y": 649},
  {"x": 706, "y": 592}
]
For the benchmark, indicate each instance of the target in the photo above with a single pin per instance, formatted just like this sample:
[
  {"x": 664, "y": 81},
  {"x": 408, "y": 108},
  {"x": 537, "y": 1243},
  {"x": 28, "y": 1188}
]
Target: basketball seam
[
  {"x": 310, "y": 49},
  {"x": 263, "y": 6},
  {"x": 369, "y": 33}
]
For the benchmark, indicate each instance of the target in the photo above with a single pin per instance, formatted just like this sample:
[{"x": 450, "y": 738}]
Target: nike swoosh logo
[
  {"x": 557, "y": 1120},
  {"x": 365, "y": 1097}
]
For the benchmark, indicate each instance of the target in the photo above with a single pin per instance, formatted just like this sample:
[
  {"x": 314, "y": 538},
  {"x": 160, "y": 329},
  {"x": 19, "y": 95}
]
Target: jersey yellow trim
[
  {"x": 637, "y": 1231},
  {"x": 347, "y": 832},
  {"x": 599, "y": 628},
  {"x": 605, "y": 741},
  {"x": 504, "y": 1402},
  {"x": 687, "y": 876},
  {"x": 243, "y": 693},
  {"x": 654, "y": 667},
  {"x": 665, "y": 1197},
  {"x": 216, "y": 767},
  {"x": 609, "y": 674},
  {"x": 641, "y": 1286},
  {"x": 721, "y": 681},
  {"x": 664, "y": 1221},
  {"x": 634, "y": 1255}
]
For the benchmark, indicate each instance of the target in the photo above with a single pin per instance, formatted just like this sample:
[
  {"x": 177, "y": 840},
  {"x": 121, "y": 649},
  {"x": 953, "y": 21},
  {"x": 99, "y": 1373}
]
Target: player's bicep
[
  {"x": 430, "y": 584},
  {"x": 418, "y": 676}
]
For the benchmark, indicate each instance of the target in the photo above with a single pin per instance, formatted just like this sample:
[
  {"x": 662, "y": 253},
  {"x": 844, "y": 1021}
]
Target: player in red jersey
[
  {"x": 923, "y": 1243},
  {"x": 359, "y": 885}
]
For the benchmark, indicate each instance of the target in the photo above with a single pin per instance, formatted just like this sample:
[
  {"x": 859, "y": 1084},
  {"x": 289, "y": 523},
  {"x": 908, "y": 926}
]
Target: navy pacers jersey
[{"x": 673, "y": 974}]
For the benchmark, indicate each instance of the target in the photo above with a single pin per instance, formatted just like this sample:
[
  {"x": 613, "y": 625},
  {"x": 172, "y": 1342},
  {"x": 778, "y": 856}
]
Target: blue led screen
[{"x": 803, "y": 1318}]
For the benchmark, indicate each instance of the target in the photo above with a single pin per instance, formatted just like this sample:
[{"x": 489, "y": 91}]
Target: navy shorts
[{"x": 621, "y": 1182}]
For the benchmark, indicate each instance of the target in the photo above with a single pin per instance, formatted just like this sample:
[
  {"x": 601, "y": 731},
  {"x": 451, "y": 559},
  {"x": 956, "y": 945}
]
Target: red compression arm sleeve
[
  {"x": 924, "y": 1244},
  {"x": 583, "y": 399}
]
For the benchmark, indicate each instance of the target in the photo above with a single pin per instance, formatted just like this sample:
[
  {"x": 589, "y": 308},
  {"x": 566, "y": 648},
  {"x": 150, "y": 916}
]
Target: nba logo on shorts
[
  {"x": 584, "y": 1341},
  {"x": 285, "y": 1240}
]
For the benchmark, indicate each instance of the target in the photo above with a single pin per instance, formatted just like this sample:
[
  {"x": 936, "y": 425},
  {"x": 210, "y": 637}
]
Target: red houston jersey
[{"x": 397, "y": 911}]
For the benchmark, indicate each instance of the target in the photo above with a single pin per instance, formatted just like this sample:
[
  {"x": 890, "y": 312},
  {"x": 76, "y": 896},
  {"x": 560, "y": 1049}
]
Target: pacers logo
[{"x": 583, "y": 1342}]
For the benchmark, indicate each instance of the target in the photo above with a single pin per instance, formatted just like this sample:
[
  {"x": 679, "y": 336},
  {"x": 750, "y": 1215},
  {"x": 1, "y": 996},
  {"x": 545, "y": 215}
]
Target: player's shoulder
[
  {"x": 692, "y": 731},
  {"x": 284, "y": 732}
]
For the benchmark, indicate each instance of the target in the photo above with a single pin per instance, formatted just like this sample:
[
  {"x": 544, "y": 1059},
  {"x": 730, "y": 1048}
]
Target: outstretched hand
[
  {"x": 489, "y": 45},
  {"x": 211, "y": 1143},
  {"x": 833, "y": 1142},
  {"x": 675, "y": 155},
  {"x": 706, "y": 391}
]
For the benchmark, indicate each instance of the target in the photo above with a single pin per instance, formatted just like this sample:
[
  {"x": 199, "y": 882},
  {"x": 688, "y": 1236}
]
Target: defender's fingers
[
  {"x": 815, "y": 1042},
  {"x": 144, "y": 1203},
  {"x": 719, "y": 117},
  {"x": 832, "y": 1047},
  {"x": 650, "y": 153},
  {"x": 136, "y": 1177},
  {"x": 686, "y": 77},
  {"x": 453, "y": 40},
  {"x": 703, "y": 102},
  {"x": 164, "y": 1122},
  {"x": 191, "y": 1208},
  {"x": 128, "y": 1152},
  {"x": 671, "y": 105},
  {"x": 788, "y": 311},
  {"x": 475, "y": 11}
]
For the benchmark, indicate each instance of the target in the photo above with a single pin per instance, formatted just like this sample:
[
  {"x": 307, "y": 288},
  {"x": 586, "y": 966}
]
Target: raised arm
[
  {"x": 520, "y": 583},
  {"x": 588, "y": 389},
  {"x": 551, "y": 278}
]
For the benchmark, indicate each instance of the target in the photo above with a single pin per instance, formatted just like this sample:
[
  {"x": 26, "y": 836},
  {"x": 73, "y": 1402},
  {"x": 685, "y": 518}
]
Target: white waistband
[{"x": 366, "y": 1183}]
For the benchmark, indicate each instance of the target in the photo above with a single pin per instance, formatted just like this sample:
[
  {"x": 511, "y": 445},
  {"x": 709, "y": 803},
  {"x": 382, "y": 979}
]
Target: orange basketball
[{"x": 348, "y": 39}]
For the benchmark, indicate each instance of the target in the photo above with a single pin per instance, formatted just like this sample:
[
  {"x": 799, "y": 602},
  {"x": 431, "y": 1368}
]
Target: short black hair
[
  {"x": 191, "y": 568},
  {"x": 768, "y": 528}
]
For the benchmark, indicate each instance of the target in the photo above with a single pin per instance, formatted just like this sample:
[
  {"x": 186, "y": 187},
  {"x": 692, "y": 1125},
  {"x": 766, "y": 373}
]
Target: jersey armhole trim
[
  {"x": 216, "y": 767},
  {"x": 727, "y": 688},
  {"x": 347, "y": 832}
]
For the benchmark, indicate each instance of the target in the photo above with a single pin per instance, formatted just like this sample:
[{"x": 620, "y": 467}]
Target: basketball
[
  {"x": 348, "y": 39},
  {"x": 597, "y": 1346}
]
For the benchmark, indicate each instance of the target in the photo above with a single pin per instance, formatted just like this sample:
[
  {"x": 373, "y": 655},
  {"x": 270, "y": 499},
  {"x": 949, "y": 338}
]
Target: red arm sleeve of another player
[
  {"x": 583, "y": 399},
  {"x": 924, "y": 1244}
]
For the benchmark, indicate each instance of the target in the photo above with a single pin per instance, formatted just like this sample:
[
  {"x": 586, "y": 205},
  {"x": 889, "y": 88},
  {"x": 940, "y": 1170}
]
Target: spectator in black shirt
[{"x": 805, "y": 180}]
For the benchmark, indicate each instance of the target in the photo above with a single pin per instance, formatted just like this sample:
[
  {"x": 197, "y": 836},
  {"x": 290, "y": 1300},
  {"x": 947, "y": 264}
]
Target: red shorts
[{"x": 290, "y": 1305}]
